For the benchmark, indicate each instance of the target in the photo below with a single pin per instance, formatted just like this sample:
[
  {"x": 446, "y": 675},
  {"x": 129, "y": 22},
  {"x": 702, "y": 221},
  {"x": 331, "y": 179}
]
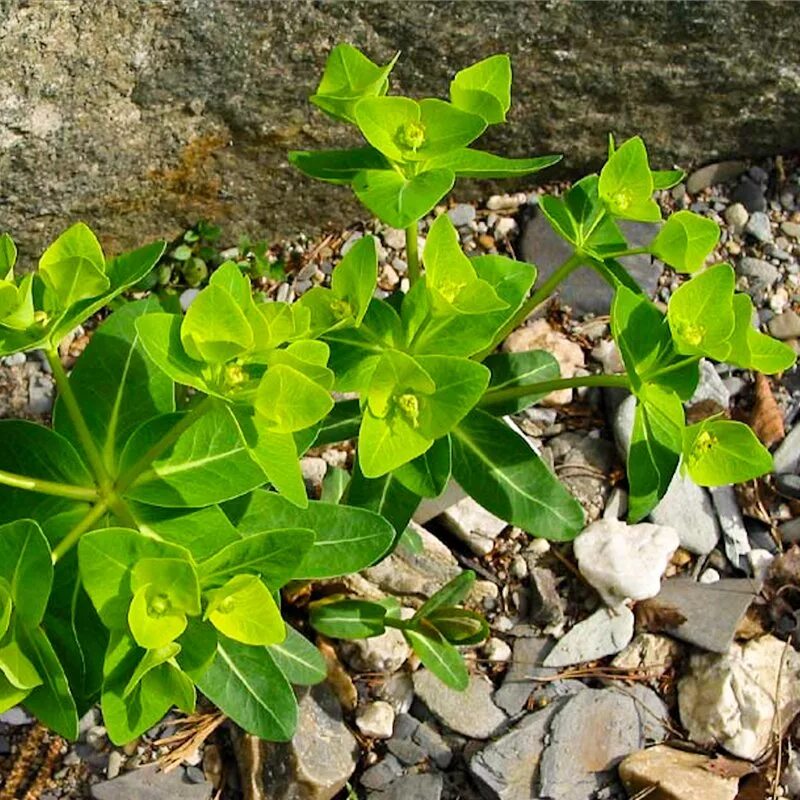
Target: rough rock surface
[
  {"x": 604, "y": 633},
  {"x": 207, "y": 97},
  {"x": 149, "y": 783}
]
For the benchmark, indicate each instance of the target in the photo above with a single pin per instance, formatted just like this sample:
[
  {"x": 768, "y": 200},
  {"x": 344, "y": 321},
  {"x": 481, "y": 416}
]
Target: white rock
[
  {"x": 394, "y": 238},
  {"x": 625, "y": 562},
  {"x": 709, "y": 576},
  {"x": 187, "y": 298},
  {"x": 376, "y": 720},
  {"x": 475, "y": 526},
  {"x": 385, "y": 653},
  {"x": 730, "y": 699},
  {"x": 505, "y": 227},
  {"x": 496, "y": 650},
  {"x": 604, "y": 633},
  {"x": 759, "y": 562}
]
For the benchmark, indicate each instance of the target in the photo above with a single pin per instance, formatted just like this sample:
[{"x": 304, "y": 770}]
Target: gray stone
[
  {"x": 790, "y": 531},
  {"x": 526, "y": 667},
  {"x": 433, "y": 745},
  {"x": 462, "y": 214},
  {"x": 406, "y": 751},
  {"x": 377, "y": 654},
  {"x": 788, "y": 485},
  {"x": 16, "y": 716},
  {"x": 321, "y": 756},
  {"x": 654, "y": 721},
  {"x": 432, "y": 507},
  {"x": 594, "y": 731},
  {"x": 710, "y": 387},
  {"x": 687, "y": 508},
  {"x": 546, "y": 603},
  {"x": 471, "y": 712},
  {"x": 148, "y": 783},
  {"x": 791, "y": 229},
  {"x": 758, "y": 227},
  {"x": 734, "y": 533},
  {"x": 785, "y": 325},
  {"x": 758, "y": 272},
  {"x": 604, "y": 633},
  {"x": 474, "y": 525},
  {"x": 376, "y": 719},
  {"x": 584, "y": 290},
  {"x": 736, "y": 216},
  {"x": 712, "y": 174},
  {"x": 508, "y": 768},
  {"x": 712, "y": 610},
  {"x": 751, "y": 195},
  {"x": 787, "y": 456},
  {"x": 381, "y": 774},
  {"x": 419, "y": 786}
]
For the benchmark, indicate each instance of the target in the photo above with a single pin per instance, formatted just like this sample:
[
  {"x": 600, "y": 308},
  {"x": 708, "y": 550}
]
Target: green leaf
[
  {"x": 355, "y": 277},
  {"x": 349, "y": 75},
  {"x": 334, "y": 484},
  {"x": 73, "y": 267},
  {"x": 16, "y": 666},
  {"x": 51, "y": 702},
  {"x": 717, "y": 452},
  {"x": 467, "y": 163},
  {"x": 106, "y": 559},
  {"x": 152, "y": 627},
  {"x": 510, "y": 370},
  {"x": 386, "y": 496},
  {"x": 8, "y": 256},
  {"x": 243, "y": 609},
  {"x": 175, "y": 578},
  {"x": 272, "y": 555},
  {"x": 452, "y": 593},
  {"x": 117, "y": 386},
  {"x": 666, "y": 179},
  {"x": 685, "y": 241},
  {"x": 439, "y": 656},
  {"x": 209, "y": 462},
  {"x": 346, "y": 539},
  {"x": 27, "y": 569},
  {"x": 300, "y": 662},
  {"x": 484, "y": 88},
  {"x": 38, "y": 452},
  {"x": 6, "y": 606},
  {"x": 501, "y": 472},
  {"x": 246, "y": 684},
  {"x": 427, "y": 475},
  {"x": 337, "y": 166},
  {"x": 198, "y": 647},
  {"x": 407, "y": 130},
  {"x": 288, "y": 401},
  {"x": 701, "y": 315},
  {"x": 341, "y": 423},
  {"x": 626, "y": 183},
  {"x": 348, "y": 619},
  {"x": 753, "y": 350},
  {"x": 215, "y": 329},
  {"x": 655, "y": 448},
  {"x": 459, "y": 626},
  {"x": 399, "y": 201},
  {"x": 202, "y": 532}
]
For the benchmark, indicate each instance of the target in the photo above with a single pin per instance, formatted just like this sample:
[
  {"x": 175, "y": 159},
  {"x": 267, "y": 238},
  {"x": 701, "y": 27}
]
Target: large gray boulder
[{"x": 140, "y": 117}]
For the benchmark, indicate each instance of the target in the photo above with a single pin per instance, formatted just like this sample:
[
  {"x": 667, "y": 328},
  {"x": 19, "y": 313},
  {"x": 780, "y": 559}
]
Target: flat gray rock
[
  {"x": 421, "y": 786},
  {"x": 602, "y": 634},
  {"x": 471, "y": 712},
  {"x": 148, "y": 783},
  {"x": 593, "y": 732},
  {"x": 734, "y": 533},
  {"x": 687, "y": 508},
  {"x": 712, "y": 610},
  {"x": 508, "y": 768},
  {"x": 787, "y": 456},
  {"x": 584, "y": 290},
  {"x": 526, "y": 667}
]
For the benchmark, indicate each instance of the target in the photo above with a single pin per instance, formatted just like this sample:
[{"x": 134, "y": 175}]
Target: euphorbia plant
[{"x": 146, "y": 536}]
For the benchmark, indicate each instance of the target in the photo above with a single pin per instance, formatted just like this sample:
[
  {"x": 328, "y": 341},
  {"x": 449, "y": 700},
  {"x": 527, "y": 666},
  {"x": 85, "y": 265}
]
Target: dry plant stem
[
  {"x": 74, "y": 411},
  {"x": 412, "y": 253}
]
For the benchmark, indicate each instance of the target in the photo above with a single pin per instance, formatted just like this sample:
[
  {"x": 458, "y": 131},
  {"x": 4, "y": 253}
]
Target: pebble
[
  {"x": 149, "y": 783},
  {"x": 399, "y": 691},
  {"x": 734, "y": 532},
  {"x": 649, "y": 653},
  {"x": 506, "y": 202},
  {"x": 751, "y": 195},
  {"x": 115, "y": 762},
  {"x": 381, "y": 774},
  {"x": 187, "y": 298},
  {"x": 496, "y": 651},
  {"x": 604, "y": 633},
  {"x": 419, "y": 786},
  {"x": 758, "y": 227},
  {"x": 461, "y": 215},
  {"x": 787, "y": 456},
  {"x": 433, "y": 745},
  {"x": 525, "y": 668},
  {"x": 712, "y": 174},
  {"x": 791, "y": 229},
  {"x": 730, "y": 699},
  {"x": 376, "y": 719},
  {"x": 16, "y": 716},
  {"x": 377, "y": 654},
  {"x": 666, "y": 773},
  {"x": 624, "y": 562},
  {"x": 759, "y": 273},
  {"x": 736, "y": 216},
  {"x": 473, "y": 525},
  {"x": 505, "y": 227},
  {"x": 471, "y": 712},
  {"x": 785, "y": 325},
  {"x": 710, "y": 387}
]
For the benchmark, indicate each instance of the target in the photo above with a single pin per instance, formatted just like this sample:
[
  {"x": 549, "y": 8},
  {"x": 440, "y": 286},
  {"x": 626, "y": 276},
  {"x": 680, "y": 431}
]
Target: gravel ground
[{"x": 577, "y": 692}]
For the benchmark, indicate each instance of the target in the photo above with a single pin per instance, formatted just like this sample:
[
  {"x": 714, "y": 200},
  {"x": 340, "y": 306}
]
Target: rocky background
[{"x": 140, "y": 117}]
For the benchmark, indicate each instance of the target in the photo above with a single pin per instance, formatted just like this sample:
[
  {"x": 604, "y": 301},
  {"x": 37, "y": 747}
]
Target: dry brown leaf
[
  {"x": 729, "y": 767},
  {"x": 754, "y": 787},
  {"x": 703, "y": 410},
  {"x": 655, "y": 616},
  {"x": 338, "y": 679},
  {"x": 766, "y": 418}
]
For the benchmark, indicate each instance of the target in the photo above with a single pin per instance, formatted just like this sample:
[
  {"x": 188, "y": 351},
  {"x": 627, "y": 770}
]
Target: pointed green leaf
[
  {"x": 215, "y": 328},
  {"x": 26, "y": 567},
  {"x": 353, "y": 280},
  {"x": 299, "y": 660},
  {"x": 452, "y": 593},
  {"x": 399, "y": 201},
  {"x": 386, "y": 496},
  {"x": 348, "y": 619},
  {"x": 243, "y": 609},
  {"x": 467, "y": 163},
  {"x": 666, "y": 179},
  {"x": 685, "y": 241},
  {"x": 337, "y": 166},
  {"x": 459, "y": 625},
  {"x": 439, "y": 656},
  {"x": 626, "y": 183},
  {"x": 17, "y": 667},
  {"x": 428, "y": 474},
  {"x": 289, "y": 401},
  {"x": 500, "y": 471},
  {"x": 8, "y": 257},
  {"x": 484, "y": 88}
]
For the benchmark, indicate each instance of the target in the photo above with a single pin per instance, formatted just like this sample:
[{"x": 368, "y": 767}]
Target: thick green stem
[
  {"x": 412, "y": 253},
  {"x": 545, "y": 387},
  {"x": 186, "y": 422},
  {"x": 74, "y": 411},
  {"x": 48, "y": 487},
  {"x": 535, "y": 300},
  {"x": 71, "y": 539}
]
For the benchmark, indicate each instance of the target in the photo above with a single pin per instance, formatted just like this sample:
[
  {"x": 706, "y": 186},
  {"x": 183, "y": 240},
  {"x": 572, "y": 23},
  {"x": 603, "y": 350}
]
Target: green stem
[
  {"x": 412, "y": 253},
  {"x": 48, "y": 487},
  {"x": 535, "y": 300},
  {"x": 678, "y": 365},
  {"x": 71, "y": 539},
  {"x": 633, "y": 251},
  {"x": 74, "y": 411},
  {"x": 545, "y": 387},
  {"x": 186, "y": 422}
]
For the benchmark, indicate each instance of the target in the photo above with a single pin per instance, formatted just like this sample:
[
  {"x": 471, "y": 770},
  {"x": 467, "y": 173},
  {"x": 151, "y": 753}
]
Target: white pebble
[
  {"x": 496, "y": 651},
  {"x": 709, "y": 575},
  {"x": 187, "y": 298},
  {"x": 376, "y": 720}
]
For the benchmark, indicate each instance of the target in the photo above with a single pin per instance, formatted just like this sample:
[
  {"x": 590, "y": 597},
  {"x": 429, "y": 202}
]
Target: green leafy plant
[{"x": 145, "y": 537}]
